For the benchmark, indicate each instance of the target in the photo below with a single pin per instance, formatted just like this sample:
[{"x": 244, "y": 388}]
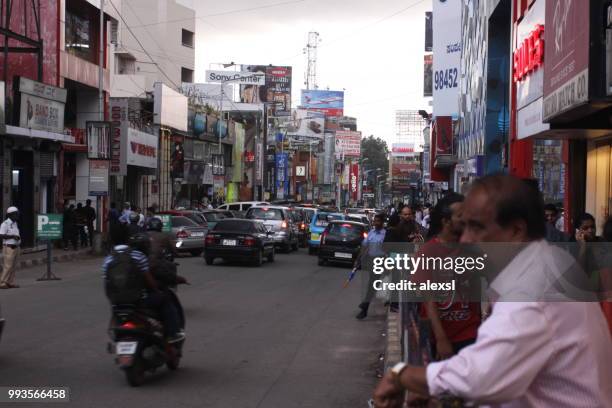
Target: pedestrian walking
[
  {"x": 69, "y": 231},
  {"x": 81, "y": 222},
  {"x": 371, "y": 247},
  {"x": 90, "y": 217},
  {"x": 11, "y": 240},
  {"x": 529, "y": 352}
]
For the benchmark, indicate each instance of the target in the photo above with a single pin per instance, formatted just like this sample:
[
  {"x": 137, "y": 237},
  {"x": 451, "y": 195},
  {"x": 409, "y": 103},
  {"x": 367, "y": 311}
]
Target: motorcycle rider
[
  {"x": 161, "y": 257},
  {"x": 128, "y": 280},
  {"x": 134, "y": 226}
]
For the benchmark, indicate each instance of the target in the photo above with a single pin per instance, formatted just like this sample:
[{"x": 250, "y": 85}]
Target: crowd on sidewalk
[{"x": 521, "y": 349}]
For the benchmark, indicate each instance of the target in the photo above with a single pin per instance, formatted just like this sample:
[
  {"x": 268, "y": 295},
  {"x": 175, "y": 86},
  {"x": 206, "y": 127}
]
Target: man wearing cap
[{"x": 9, "y": 234}]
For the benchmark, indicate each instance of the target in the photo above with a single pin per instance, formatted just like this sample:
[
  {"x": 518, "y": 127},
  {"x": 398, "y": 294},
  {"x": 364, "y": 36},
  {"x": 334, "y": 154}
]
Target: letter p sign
[{"x": 43, "y": 220}]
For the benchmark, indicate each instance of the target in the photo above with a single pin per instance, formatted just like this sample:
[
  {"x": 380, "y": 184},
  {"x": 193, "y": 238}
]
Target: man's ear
[{"x": 520, "y": 230}]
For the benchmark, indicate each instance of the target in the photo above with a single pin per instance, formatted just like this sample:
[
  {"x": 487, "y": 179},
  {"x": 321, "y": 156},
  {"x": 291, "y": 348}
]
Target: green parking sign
[
  {"x": 166, "y": 221},
  {"x": 49, "y": 226}
]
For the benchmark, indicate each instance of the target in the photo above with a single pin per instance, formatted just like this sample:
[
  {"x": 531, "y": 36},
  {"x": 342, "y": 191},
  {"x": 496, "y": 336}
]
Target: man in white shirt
[
  {"x": 11, "y": 239},
  {"x": 529, "y": 352}
]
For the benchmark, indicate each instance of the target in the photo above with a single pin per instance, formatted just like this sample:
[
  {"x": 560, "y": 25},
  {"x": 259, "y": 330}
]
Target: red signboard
[
  {"x": 566, "y": 72},
  {"x": 444, "y": 135},
  {"x": 529, "y": 56},
  {"x": 249, "y": 157}
]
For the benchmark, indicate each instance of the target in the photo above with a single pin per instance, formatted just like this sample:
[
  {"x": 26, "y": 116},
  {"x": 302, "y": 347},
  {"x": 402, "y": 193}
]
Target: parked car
[
  {"x": 230, "y": 214},
  {"x": 317, "y": 225},
  {"x": 239, "y": 239},
  {"x": 278, "y": 221},
  {"x": 212, "y": 217},
  {"x": 193, "y": 215},
  {"x": 188, "y": 235},
  {"x": 341, "y": 242}
]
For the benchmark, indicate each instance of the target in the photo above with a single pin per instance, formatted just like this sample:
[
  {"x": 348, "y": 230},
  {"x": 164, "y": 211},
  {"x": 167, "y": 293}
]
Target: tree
[{"x": 376, "y": 151}]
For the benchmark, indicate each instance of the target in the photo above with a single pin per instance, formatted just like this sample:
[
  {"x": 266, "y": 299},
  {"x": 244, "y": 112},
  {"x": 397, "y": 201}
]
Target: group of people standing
[
  {"x": 78, "y": 227},
  {"x": 525, "y": 349}
]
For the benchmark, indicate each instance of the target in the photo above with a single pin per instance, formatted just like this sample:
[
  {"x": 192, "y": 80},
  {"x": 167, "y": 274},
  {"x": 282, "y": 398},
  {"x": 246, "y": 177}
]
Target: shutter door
[{"x": 46, "y": 164}]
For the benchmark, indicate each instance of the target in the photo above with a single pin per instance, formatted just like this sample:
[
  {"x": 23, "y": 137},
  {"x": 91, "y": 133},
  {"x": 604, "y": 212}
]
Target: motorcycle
[{"x": 138, "y": 342}]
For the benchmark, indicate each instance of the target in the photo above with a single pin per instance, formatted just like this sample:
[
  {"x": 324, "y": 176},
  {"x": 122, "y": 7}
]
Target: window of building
[
  {"x": 80, "y": 37},
  {"x": 186, "y": 75},
  {"x": 187, "y": 38}
]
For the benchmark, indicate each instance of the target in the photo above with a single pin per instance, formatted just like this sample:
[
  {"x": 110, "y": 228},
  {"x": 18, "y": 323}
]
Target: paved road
[{"x": 279, "y": 336}]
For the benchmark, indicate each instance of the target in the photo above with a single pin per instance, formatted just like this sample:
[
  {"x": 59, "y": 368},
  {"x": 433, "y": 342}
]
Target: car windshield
[
  {"x": 234, "y": 225},
  {"x": 197, "y": 218},
  {"x": 183, "y": 222},
  {"x": 214, "y": 216},
  {"x": 272, "y": 214},
  {"x": 345, "y": 231}
]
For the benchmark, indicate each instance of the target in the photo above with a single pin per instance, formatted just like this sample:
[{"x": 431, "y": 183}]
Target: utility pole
[
  {"x": 311, "y": 65},
  {"x": 100, "y": 100}
]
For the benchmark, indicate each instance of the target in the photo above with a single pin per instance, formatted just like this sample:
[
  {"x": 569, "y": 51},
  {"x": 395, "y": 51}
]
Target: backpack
[{"x": 124, "y": 282}]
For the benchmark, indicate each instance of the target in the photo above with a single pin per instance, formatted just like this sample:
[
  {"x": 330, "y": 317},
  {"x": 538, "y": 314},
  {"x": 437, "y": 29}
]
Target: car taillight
[
  {"x": 323, "y": 237},
  {"x": 210, "y": 240},
  {"x": 128, "y": 325},
  {"x": 250, "y": 241},
  {"x": 182, "y": 234},
  {"x": 365, "y": 235},
  {"x": 284, "y": 225},
  {"x": 302, "y": 226}
]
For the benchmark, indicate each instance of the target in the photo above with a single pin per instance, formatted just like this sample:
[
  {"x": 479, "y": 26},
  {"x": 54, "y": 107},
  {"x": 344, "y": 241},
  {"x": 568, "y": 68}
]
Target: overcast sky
[{"x": 371, "y": 49}]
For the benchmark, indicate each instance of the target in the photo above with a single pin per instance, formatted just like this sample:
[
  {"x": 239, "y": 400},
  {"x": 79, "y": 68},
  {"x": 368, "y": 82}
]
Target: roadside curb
[
  {"x": 42, "y": 259},
  {"x": 393, "y": 350}
]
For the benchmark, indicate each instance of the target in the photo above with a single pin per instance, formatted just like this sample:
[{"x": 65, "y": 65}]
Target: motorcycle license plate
[
  {"x": 229, "y": 242},
  {"x": 315, "y": 237},
  {"x": 127, "y": 347},
  {"x": 343, "y": 255}
]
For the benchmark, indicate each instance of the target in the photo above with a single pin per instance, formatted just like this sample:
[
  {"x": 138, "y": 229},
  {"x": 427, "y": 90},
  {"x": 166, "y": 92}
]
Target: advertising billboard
[
  {"x": 170, "y": 107},
  {"x": 354, "y": 181},
  {"x": 447, "y": 46},
  {"x": 348, "y": 144},
  {"x": 444, "y": 135},
  {"x": 276, "y": 91},
  {"x": 142, "y": 149},
  {"x": 282, "y": 179},
  {"x": 331, "y": 103},
  {"x": 305, "y": 123},
  {"x": 41, "y": 106},
  {"x": 566, "y": 72},
  {"x": 243, "y": 78},
  {"x": 208, "y": 94},
  {"x": 402, "y": 149}
]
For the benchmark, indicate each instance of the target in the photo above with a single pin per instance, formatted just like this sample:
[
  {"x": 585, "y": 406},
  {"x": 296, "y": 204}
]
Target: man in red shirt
[{"x": 455, "y": 320}]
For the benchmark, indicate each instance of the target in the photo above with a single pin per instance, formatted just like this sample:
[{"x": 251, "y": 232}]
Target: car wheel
[
  {"x": 259, "y": 259},
  {"x": 322, "y": 261},
  {"x": 209, "y": 260},
  {"x": 311, "y": 250},
  {"x": 196, "y": 252},
  {"x": 271, "y": 255}
]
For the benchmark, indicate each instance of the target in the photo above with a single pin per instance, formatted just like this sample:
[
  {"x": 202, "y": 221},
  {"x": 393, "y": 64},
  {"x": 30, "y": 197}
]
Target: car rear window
[
  {"x": 197, "y": 218},
  {"x": 235, "y": 225},
  {"x": 322, "y": 219},
  {"x": 183, "y": 222},
  {"x": 272, "y": 214},
  {"x": 348, "y": 231},
  {"x": 214, "y": 216}
]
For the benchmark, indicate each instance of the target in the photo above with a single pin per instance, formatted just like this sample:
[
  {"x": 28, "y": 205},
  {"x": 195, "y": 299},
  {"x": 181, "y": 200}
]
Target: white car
[{"x": 241, "y": 207}]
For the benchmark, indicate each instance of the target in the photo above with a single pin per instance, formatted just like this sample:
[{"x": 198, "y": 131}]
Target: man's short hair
[
  {"x": 515, "y": 199},
  {"x": 441, "y": 211},
  {"x": 582, "y": 218},
  {"x": 551, "y": 207},
  {"x": 380, "y": 216}
]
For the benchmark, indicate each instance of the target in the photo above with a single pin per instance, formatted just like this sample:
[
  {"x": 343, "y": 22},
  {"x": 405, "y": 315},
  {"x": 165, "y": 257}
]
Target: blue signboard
[
  {"x": 282, "y": 176},
  {"x": 329, "y": 102}
]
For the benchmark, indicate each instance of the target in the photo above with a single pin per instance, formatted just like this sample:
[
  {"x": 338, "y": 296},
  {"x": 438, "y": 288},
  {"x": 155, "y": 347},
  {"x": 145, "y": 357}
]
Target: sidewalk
[{"x": 30, "y": 259}]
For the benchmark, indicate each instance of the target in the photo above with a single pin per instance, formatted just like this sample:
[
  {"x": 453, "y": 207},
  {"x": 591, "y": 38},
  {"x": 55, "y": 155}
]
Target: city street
[{"x": 283, "y": 335}]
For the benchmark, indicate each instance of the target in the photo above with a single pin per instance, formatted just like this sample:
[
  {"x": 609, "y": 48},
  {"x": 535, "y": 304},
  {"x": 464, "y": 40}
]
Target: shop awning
[{"x": 38, "y": 134}]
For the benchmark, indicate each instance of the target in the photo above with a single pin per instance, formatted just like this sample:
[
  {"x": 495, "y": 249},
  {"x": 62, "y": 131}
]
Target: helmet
[
  {"x": 134, "y": 217},
  {"x": 155, "y": 224},
  {"x": 140, "y": 242}
]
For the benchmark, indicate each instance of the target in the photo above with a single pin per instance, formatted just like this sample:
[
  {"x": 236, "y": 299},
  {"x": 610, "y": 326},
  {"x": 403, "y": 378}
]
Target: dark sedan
[
  {"x": 341, "y": 242},
  {"x": 238, "y": 239}
]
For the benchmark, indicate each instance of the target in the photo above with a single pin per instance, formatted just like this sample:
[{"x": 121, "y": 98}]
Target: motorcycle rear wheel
[{"x": 135, "y": 374}]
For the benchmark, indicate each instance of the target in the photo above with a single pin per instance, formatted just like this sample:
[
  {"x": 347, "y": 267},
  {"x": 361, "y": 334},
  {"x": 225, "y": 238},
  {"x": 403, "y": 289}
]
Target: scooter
[{"x": 139, "y": 345}]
